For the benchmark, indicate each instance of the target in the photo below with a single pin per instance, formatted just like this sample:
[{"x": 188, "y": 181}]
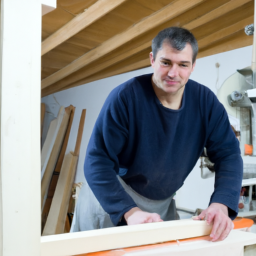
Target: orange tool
[{"x": 239, "y": 223}]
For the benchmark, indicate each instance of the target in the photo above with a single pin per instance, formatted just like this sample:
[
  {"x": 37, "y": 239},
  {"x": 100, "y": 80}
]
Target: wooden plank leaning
[
  {"x": 50, "y": 139},
  {"x": 54, "y": 155},
  {"x": 57, "y": 169},
  {"x": 55, "y": 223}
]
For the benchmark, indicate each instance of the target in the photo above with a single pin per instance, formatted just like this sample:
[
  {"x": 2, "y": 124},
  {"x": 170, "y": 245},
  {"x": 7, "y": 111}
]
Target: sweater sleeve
[
  {"x": 101, "y": 164},
  {"x": 223, "y": 150}
]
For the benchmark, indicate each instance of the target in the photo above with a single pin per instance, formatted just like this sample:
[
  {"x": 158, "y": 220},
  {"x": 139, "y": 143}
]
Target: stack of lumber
[{"x": 58, "y": 171}]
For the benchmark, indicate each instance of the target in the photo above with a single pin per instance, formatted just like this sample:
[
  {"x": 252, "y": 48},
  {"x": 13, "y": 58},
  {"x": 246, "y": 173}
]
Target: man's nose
[{"x": 173, "y": 71}]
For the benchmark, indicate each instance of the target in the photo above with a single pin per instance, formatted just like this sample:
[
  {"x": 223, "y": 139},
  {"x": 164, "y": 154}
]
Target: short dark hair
[{"x": 178, "y": 38}]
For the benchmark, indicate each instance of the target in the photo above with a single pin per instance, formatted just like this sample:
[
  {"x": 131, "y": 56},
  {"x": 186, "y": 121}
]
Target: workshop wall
[{"x": 211, "y": 71}]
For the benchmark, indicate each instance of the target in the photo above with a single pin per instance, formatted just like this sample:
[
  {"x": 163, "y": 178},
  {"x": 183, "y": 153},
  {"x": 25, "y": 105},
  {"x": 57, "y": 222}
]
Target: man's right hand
[{"x": 137, "y": 216}]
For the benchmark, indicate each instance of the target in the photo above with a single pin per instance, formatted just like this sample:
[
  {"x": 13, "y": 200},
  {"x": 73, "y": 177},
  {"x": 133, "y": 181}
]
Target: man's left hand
[{"x": 218, "y": 215}]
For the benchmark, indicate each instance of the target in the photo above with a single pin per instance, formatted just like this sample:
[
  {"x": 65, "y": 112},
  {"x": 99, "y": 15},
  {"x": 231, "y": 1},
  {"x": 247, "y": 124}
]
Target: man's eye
[
  {"x": 183, "y": 65},
  {"x": 165, "y": 63}
]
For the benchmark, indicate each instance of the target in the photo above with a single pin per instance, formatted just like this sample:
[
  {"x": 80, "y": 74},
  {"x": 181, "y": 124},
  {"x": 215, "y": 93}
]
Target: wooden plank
[
  {"x": 118, "y": 240},
  {"x": 101, "y": 66},
  {"x": 67, "y": 225},
  {"x": 75, "y": 7},
  {"x": 81, "y": 21},
  {"x": 54, "y": 157},
  {"x": 232, "y": 17},
  {"x": 111, "y": 61},
  {"x": 80, "y": 133},
  {"x": 53, "y": 21},
  {"x": 214, "y": 14},
  {"x": 50, "y": 139},
  {"x": 48, "y": 200},
  {"x": 181, "y": 248},
  {"x": 56, "y": 219},
  {"x": 237, "y": 42},
  {"x": 42, "y": 117},
  {"x": 115, "y": 71},
  {"x": 65, "y": 142},
  {"x": 233, "y": 245},
  {"x": 121, "y": 237},
  {"x": 57, "y": 169},
  {"x": 172, "y": 10},
  {"x": 225, "y": 32},
  {"x": 55, "y": 223},
  {"x": 138, "y": 65}
]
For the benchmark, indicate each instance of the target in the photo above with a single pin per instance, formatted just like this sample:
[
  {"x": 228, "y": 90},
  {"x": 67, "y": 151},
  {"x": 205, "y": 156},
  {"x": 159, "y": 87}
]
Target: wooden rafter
[
  {"x": 214, "y": 14},
  {"x": 93, "y": 70},
  {"x": 81, "y": 21},
  {"x": 238, "y": 42},
  {"x": 138, "y": 65},
  {"x": 224, "y": 32},
  {"x": 170, "y": 11},
  {"x": 87, "y": 74}
]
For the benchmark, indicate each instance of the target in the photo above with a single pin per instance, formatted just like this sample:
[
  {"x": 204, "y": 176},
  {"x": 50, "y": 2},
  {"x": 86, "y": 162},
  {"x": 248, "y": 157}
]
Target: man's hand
[
  {"x": 137, "y": 216},
  {"x": 218, "y": 215}
]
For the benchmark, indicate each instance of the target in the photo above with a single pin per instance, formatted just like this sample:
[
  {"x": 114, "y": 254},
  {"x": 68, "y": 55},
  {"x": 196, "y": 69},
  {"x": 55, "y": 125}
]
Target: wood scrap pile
[{"x": 58, "y": 171}]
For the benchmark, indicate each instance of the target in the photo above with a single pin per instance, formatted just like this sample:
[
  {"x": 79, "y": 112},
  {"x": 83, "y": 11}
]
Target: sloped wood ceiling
[{"x": 87, "y": 40}]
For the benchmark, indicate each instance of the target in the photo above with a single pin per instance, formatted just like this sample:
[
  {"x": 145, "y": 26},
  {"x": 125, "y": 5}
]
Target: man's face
[{"x": 172, "y": 68}]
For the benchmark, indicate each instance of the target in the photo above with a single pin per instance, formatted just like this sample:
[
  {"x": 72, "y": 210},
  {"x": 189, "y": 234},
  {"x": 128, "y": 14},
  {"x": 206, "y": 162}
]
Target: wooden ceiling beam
[
  {"x": 225, "y": 32},
  {"x": 138, "y": 65},
  {"x": 123, "y": 69},
  {"x": 81, "y": 21},
  {"x": 216, "y": 13},
  {"x": 202, "y": 43},
  {"x": 237, "y": 42},
  {"x": 172, "y": 10},
  {"x": 91, "y": 70}
]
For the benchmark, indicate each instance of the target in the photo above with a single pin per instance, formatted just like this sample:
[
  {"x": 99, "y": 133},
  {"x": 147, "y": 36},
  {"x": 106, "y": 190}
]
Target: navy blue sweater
[{"x": 157, "y": 147}]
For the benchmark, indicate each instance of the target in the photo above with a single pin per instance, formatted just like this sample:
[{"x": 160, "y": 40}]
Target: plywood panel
[
  {"x": 133, "y": 11},
  {"x": 225, "y": 32},
  {"x": 78, "y": 23},
  {"x": 75, "y": 6},
  {"x": 233, "y": 42},
  {"x": 60, "y": 57},
  {"x": 54, "y": 20},
  {"x": 153, "y": 5},
  {"x": 232, "y": 17}
]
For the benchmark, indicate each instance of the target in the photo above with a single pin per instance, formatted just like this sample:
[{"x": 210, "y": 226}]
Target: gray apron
[{"x": 90, "y": 215}]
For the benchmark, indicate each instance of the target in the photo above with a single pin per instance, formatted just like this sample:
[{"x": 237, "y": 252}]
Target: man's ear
[{"x": 152, "y": 61}]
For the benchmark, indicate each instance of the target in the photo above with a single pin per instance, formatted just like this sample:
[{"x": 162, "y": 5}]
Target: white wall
[{"x": 196, "y": 192}]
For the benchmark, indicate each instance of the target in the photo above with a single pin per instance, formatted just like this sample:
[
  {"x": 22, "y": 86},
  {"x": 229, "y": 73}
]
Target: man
[{"x": 151, "y": 131}]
